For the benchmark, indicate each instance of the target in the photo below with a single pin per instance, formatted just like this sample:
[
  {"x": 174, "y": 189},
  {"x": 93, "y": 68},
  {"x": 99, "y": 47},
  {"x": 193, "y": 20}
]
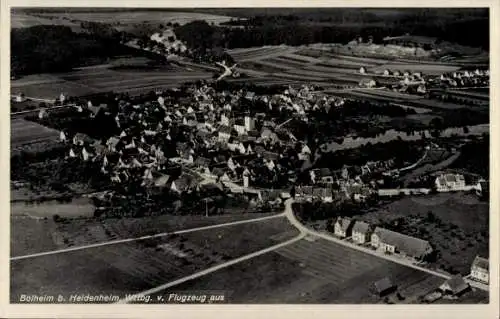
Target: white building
[{"x": 450, "y": 182}]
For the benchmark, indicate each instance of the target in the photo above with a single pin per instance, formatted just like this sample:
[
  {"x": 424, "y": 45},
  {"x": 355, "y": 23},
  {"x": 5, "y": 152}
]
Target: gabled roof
[
  {"x": 361, "y": 227},
  {"x": 225, "y": 129},
  {"x": 185, "y": 181},
  {"x": 410, "y": 245},
  {"x": 344, "y": 222},
  {"x": 455, "y": 284},
  {"x": 481, "y": 262},
  {"x": 202, "y": 161}
]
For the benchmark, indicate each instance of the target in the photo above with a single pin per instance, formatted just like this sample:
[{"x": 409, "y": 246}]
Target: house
[
  {"x": 221, "y": 174},
  {"x": 455, "y": 286},
  {"x": 304, "y": 192},
  {"x": 383, "y": 287},
  {"x": 389, "y": 241},
  {"x": 362, "y": 70},
  {"x": 343, "y": 227},
  {"x": 450, "y": 182},
  {"x": 367, "y": 83},
  {"x": 249, "y": 123},
  {"x": 202, "y": 162},
  {"x": 184, "y": 183},
  {"x": 224, "y": 133},
  {"x": 361, "y": 232},
  {"x": 161, "y": 181},
  {"x": 480, "y": 270}
]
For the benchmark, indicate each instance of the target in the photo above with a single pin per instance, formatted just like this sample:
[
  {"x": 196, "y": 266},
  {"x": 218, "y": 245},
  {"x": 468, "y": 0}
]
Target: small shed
[{"x": 384, "y": 287}]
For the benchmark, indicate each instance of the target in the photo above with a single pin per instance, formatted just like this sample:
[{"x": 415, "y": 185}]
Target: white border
[{"x": 245, "y": 311}]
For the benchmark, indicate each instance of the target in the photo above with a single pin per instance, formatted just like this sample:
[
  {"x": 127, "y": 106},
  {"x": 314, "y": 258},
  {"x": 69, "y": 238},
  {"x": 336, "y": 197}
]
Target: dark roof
[
  {"x": 202, "y": 161},
  {"x": 383, "y": 284},
  {"x": 455, "y": 284},
  {"x": 361, "y": 227},
  {"x": 218, "y": 171},
  {"x": 225, "y": 129},
  {"x": 410, "y": 245},
  {"x": 481, "y": 263},
  {"x": 185, "y": 182}
]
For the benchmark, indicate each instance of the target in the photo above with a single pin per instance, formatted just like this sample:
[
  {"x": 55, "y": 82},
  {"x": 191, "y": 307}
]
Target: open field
[
  {"x": 148, "y": 17},
  {"x": 102, "y": 79},
  {"x": 310, "y": 272},
  {"x": 429, "y": 69},
  {"x": 136, "y": 266},
  {"x": 25, "y": 132},
  {"x": 81, "y": 207},
  {"x": 462, "y": 234},
  {"x": 253, "y": 54},
  {"x": 28, "y": 234},
  {"x": 25, "y": 21}
]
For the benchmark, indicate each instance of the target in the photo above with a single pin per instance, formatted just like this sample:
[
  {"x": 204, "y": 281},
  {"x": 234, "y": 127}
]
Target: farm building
[
  {"x": 455, "y": 286},
  {"x": 343, "y": 227},
  {"x": 480, "y": 269},
  {"x": 184, "y": 183},
  {"x": 383, "y": 287},
  {"x": 361, "y": 232},
  {"x": 367, "y": 83},
  {"x": 392, "y": 242},
  {"x": 450, "y": 182}
]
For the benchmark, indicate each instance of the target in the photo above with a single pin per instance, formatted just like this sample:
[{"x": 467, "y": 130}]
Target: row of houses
[{"x": 382, "y": 239}]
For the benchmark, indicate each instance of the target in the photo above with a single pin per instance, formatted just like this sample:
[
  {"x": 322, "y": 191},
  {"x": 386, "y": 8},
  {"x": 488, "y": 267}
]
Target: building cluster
[
  {"x": 208, "y": 133},
  {"x": 381, "y": 239}
]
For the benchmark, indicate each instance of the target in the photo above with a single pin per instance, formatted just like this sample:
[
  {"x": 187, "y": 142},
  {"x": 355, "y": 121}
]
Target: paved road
[
  {"x": 212, "y": 269},
  {"x": 121, "y": 241}
]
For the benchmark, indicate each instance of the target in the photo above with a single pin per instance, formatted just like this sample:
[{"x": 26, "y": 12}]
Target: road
[
  {"x": 24, "y": 113},
  {"x": 307, "y": 231},
  {"x": 212, "y": 269},
  {"x": 127, "y": 240}
]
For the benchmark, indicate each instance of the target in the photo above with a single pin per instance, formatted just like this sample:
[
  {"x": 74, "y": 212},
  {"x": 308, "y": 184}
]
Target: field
[
  {"x": 324, "y": 66},
  {"x": 311, "y": 272},
  {"x": 104, "y": 79},
  {"x": 147, "y": 17},
  {"x": 25, "y": 132},
  {"x": 26, "y": 21},
  {"x": 136, "y": 266},
  {"x": 462, "y": 235},
  {"x": 81, "y": 207},
  {"x": 27, "y": 233}
]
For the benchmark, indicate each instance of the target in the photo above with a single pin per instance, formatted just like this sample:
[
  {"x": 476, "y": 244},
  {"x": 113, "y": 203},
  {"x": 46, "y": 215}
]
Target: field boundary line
[
  {"x": 213, "y": 269},
  {"x": 127, "y": 240}
]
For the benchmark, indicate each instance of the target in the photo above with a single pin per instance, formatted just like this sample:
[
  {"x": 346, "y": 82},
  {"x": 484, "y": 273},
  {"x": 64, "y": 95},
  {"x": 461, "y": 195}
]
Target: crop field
[
  {"x": 148, "y": 17},
  {"x": 26, "y": 21},
  {"x": 25, "y": 132},
  {"x": 100, "y": 79},
  {"x": 136, "y": 266},
  {"x": 78, "y": 208},
  {"x": 462, "y": 235},
  {"x": 26, "y": 232},
  {"x": 253, "y": 54},
  {"x": 311, "y": 272},
  {"x": 429, "y": 69}
]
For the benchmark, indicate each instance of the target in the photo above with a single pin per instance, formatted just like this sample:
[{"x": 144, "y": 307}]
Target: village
[{"x": 360, "y": 168}]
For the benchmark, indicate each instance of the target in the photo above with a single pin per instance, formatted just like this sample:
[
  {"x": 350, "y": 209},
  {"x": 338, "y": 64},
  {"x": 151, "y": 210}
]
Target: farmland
[
  {"x": 27, "y": 233},
  {"x": 311, "y": 272},
  {"x": 135, "y": 266},
  {"x": 459, "y": 230},
  {"x": 104, "y": 79},
  {"x": 132, "y": 17},
  {"x": 81, "y": 207},
  {"x": 25, "y": 21},
  {"x": 25, "y": 132}
]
